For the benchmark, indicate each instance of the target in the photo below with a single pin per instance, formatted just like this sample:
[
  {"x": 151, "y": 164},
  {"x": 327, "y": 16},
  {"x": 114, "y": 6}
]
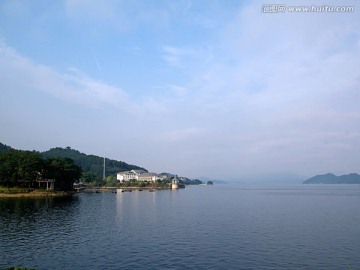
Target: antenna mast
[{"x": 104, "y": 169}]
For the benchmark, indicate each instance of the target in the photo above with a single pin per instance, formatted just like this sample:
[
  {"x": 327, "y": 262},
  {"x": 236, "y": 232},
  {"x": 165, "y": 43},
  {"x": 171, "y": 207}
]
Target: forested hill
[
  {"x": 330, "y": 178},
  {"x": 91, "y": 163},
  {"x": 4, "y": 147}
]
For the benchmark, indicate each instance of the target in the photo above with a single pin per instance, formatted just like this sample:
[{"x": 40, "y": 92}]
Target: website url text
[{"x": 280, "y": 8}]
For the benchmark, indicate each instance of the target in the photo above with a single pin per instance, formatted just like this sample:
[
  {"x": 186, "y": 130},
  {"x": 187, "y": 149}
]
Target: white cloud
[
  {"x": 174, "y": 56},
  {"x": 286, "y": 87},
  {"x": 71, "y": 86},
  {"x": 266, "y": 93}
]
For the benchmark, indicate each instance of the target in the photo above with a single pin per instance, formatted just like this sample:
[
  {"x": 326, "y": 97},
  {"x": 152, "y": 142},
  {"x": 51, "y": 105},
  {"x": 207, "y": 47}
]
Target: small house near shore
[{"x": 49, "y": 184}]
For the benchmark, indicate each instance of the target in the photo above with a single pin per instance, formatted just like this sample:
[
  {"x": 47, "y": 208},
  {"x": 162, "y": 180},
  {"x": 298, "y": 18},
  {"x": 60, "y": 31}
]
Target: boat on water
[{"x": 78, "y": 187}]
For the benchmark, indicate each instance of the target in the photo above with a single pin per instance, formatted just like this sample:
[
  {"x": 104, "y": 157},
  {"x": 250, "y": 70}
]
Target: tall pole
[{"x": 104, "y": 169}]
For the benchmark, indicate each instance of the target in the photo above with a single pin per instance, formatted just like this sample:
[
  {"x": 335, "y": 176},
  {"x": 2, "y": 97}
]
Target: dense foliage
[
  {"x": 24, "y": 168},
  {"x": 64, "y": 171},
  {"x": 66, "y": 165},
  {"x": 4, "y": 147},
  {"x": 187, "y": 181},
  {"x": 92, "y": 166}
]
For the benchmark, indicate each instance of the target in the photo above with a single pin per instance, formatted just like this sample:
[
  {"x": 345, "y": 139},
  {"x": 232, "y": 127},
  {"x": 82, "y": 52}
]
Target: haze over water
[{"x": 200, "y": 227}]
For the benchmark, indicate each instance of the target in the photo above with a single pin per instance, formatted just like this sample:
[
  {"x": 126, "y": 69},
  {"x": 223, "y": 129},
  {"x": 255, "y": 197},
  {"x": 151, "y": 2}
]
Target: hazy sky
[{"x": 197, "y": 88}]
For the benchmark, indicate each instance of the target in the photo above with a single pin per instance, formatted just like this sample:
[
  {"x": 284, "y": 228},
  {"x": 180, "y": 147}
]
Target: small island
[{"x": 330, "y": 178}]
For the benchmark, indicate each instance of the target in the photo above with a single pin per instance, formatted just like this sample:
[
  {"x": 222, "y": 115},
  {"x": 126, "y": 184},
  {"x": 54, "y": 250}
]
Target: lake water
[{"x": 200, "y": 227}]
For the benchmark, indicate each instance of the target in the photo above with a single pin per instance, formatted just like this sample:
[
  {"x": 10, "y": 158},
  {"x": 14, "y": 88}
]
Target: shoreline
[
  {"x": 112, "y": 188},
  {"x": 44, "y": 194},
  {"x": 102, "y": 189},
  {"x": 38, "y": 194}
]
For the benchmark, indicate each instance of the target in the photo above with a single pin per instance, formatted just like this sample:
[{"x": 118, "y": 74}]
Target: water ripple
[{"x": 196, "y": 228}]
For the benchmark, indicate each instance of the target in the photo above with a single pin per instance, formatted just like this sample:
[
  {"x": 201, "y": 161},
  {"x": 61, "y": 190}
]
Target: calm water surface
[{"x": 201, "y": 227}]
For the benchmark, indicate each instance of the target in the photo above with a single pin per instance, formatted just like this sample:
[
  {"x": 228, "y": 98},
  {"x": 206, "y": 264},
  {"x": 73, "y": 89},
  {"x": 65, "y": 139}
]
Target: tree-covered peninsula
[
  {"x": 66, "y": 165},
  {"x": 29, "y": 169},
  {"x": 91, "y": 165}
]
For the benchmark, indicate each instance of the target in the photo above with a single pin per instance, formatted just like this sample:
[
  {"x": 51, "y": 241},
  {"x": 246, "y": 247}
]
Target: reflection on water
[
  {"x": 29, "y": 212},
  {"x": 31, "y": 225},
  {"x": 207, "y": 227}
]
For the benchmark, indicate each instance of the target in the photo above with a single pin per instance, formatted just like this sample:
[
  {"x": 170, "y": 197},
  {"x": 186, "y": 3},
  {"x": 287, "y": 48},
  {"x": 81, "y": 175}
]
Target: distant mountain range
[
  {"x": 89, "y": 163},
  {"x": 330, "y": 178}
]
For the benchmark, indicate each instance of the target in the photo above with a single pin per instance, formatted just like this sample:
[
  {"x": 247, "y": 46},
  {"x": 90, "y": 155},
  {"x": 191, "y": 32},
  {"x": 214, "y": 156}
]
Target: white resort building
[{"x": 139, "y": 175}]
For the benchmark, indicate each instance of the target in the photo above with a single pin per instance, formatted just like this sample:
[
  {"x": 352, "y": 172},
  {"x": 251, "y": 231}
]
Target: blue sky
[{"x": 197, "y": 88}]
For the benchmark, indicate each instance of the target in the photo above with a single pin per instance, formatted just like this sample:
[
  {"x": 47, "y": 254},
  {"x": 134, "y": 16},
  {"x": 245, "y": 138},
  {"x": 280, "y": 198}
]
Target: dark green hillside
[
  {"x": 330, "y": 178},
  {"x": 91, "y": 165},
  {"x": 4, "y": 147},
  {"x": 22, "y": 169}
]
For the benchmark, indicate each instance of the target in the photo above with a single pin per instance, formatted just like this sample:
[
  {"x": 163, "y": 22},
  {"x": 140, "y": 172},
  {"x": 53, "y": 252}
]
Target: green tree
[
  {"x": 30, "y": 167},
  {"x": 8, "y": 168},
  {"x": 20, "y": 167},
  {"x": 110, "y": 180},
  {"x": 88, "y": 177},
  {"x": 64, "y": 171}
]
